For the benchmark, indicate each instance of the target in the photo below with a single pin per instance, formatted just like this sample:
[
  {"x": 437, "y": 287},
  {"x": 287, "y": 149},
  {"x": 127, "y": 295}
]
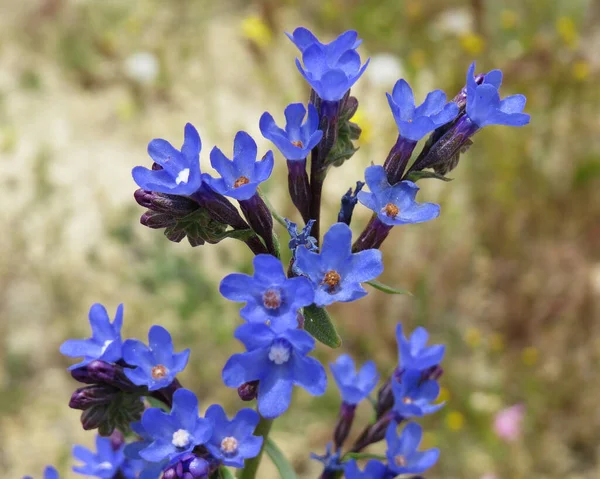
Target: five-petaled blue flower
[
  {"x": 104, "y": 463},
  {"x": 176, "y": 432},
  {"x": 353, "y": 386},
  {"x": 402, "y": 454},
  {"x": 414, "y": 354},
  {"x": 416, "y": 122},
  {"x": 105, "y": 343},
  {"x": 180, "y": 172},
  {"x": 278, "y": 361},
  {"x": 49, "y": 473},
  {"x": 233, "y": 440},
  {"x": 330, "y": 69},
  {"x": 270, "y": 297},
  {"x": 413, "y": 395},
  {"x": 157, "y": 366},
  {"x": 373, "y": 470},
  {"x": 395, "y": 205},
  {"x": 484, "y": 106},
  {"x": 149, "y": 470},
  {"x": 297, "y": 140},
  {"x": 241, "y": 176},
  {"x": 335, "y": 272}
]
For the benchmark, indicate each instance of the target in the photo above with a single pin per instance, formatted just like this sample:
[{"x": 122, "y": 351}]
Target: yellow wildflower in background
[
  {"x": 529, "y": 356},
  {"x": 565, "y": 26},
  {"x": 455, "y": 421},
  {"x": 473, "y": 337},
  {"x": 472, "y": 43},
  {"x": 417, "y": 58},
  {"x": 509, "y": 19},
  {"x": 365, "y": 125},
  {"x": 497, "y": 342},
  {"x": 444, "y": 395},
  {"x": 257, "y": 31},
  {"x": 581, "y": 70}
]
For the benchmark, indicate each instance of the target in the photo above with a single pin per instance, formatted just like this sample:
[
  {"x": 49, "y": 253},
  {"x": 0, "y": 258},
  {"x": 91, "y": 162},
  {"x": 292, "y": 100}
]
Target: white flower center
[
  {"x": 183, "y": 176},
  {"x": 279, "y": 353},
  {"x": 181, "y": 438},
  {"x": 229, "y": 445},
  {"x": 105, "y": 346},
  {"x": 105, "y": 466}
]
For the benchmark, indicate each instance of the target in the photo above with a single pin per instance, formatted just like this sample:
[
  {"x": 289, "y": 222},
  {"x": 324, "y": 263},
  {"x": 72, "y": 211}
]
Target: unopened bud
[
  {"x": 344, "y": 424},
  {"x": 248, "y": 391},
  {"x": 95, "y": 395},
  {"x": 93, "y": 417},
  {"x": 101, "y": 372},
  {"x": 157, "y": 220}
]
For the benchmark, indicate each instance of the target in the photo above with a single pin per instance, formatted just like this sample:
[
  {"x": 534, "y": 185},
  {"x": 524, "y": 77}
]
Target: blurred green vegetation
[{"x": 508, "y": 277}]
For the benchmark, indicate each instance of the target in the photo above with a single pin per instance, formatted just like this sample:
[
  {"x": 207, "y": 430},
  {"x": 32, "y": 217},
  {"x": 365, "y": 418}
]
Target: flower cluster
[{"x": 132, "y": 389}]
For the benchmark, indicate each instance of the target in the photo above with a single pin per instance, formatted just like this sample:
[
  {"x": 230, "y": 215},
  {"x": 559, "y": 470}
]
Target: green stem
[{"x": 251, "y": 465}]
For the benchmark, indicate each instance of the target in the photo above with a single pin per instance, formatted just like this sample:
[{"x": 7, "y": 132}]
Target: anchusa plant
[{"x": 148, "y": 424}]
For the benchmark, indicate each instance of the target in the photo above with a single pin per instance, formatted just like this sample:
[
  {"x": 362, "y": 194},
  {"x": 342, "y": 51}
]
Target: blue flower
[
  {"x": 278, "y": 361},
  {"x": 270, "y": 296},
  {"x": 395, "y": 205},
  {"x": 402, "y": 454},
  {"x": 330, "y": 69},
  {"x": 414, "y": 354},
  {"x": 330, "y": 460},
  {"x": 416, "y": 122},
  {"x": 157, "y": 366},
  {"x": 297, "y": 140},
  {"x": 413, "y": 396},
  {"x": 336, "y": 273},
  {"x": 241, "y": 176},
  {"x": 105, "y": 343},
  {"x": 233, "y": 441},
  {"x": 49, "y": 473},
  {"x": 484, "y": 106},
  {"x": 180, "y": 172},
  {"x": 149, "y": 470},
  {"x": 354, "y": 387},
  {"x": 176, "y": 432},
  {"x": 373, "y": 470},
  {"x": 105, "y": 463},
  {"x": 301, "y": 238}
]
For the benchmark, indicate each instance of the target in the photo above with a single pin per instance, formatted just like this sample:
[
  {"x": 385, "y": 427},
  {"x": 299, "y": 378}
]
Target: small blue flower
[
  {"x": 176, "y": 432},
  {"x": 270, "y": 297},
  {"x": 157, "y": 366},
  {"x": 278, "y": 361},
  {"x": 241, "y": 176},
  {"x": 330, "y": 69},
  {"x": 331, "y": 460},
  {"x": 104, "y": 463},
  {"x": 413, "y": 396},
  {"x": 353, "y": 386},
  {"x": 414, "y": 354},
  {"x": 336, "y": 273},
  {"x": 297, "y": 140},
  {"x": 149, "y": 470},
  {"x": 180, "y": 172},
  {"x": 105, "y": 343},
  {"x": 416, "y": 122},
  {"x": 395, "y": 205},
  {"x": 402, "y": 454},
  {"x": 373, "y": 470},
  {"x": 233, "y": 440},
  {"x": 301, "y": 238},
  {"x": 484, "y": 106},
  {"x": 49, "y": 473}
]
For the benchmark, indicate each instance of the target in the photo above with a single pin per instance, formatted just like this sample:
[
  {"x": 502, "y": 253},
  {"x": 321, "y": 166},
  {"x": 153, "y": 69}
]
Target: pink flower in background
[{"x": 507, "y": 423}]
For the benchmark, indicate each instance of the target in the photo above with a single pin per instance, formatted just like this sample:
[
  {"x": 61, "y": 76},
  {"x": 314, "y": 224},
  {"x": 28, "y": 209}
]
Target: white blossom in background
[
  {"x": 384, "y": 70},
  {"x": 142, "y": 67}
]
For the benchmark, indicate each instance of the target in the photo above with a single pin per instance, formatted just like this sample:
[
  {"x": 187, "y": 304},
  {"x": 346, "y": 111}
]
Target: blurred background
[{"x": 508, "y": 276}]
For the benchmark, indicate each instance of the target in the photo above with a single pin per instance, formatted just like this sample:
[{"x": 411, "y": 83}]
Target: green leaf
[
  {"x": 363, "y": 455},
  {"x": 225, "y": 473},
  {"x": 417, "y": 175},
  {"x": 318, "y": 323},
  {"x": 286, "y": 471},
  {"x": 387, "y": 289}
]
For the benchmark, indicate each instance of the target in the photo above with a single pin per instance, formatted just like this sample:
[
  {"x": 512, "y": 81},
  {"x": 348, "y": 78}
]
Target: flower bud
[
  {"x": 248, "y": 391},
  {"x": 93, "y": 417},
  {"x": 101, "y": 372},
  {"x": 95, "y": 395},
  {"x": 188, "y": 466}
]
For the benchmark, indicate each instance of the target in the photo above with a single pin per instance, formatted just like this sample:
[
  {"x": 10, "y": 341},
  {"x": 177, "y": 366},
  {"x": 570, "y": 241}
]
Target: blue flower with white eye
[
  {"x": 402, "y": 454},
  {"x": 105, "y": 343},
  {"x": 414, "y": 354},
  {"x": 353, "y": 386},
  {"x": 177, "y": 432},
  {"x": 180, "y": 169},
  {"x": 395, "y": 205},
  {"x": 149, "y": 470},
  {"x": 241, "y": 176},
  {"x": 279, "y": 362},
  {"x": 336, "y": 273},
  {"x": 270, "y": 296},
  {"x": 297, "y": 140},
  {"x": 330, "y": 69},
  {"x": 414, "y": 396},
  {"x": 157, "y": 366},
  {"x": 373, "y": 470},
  {"x": 416, "y": 122},
  {"x": 233, "y": 440},
  {"x": 105, "y": 463},
  {"x": 49, "y": 473},
  {"x": 484, "y": 106}
]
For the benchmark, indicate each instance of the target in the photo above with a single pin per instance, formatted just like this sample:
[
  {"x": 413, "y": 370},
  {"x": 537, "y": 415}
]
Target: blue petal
[
  {"x": 309, "y": 374},
  {"x": 363, "y": 266},
  {"x": 238, "y": 287},
  {"x": 337, "y": 246},
  {"x": 138, "y": 377},
  {"x": 509, "y": 119},
  {"x": 315, "y": 61},
  {"x": 137, "y": 353},
  {"x": 244, "y": 154},
  {"x": 493, "y": 78},
  {"x": 432, "y": 357},
  {"x": 376, "y": 179},
  {"x": 369, "y": 200},
  {"x": 274, "y": 393},
  {"x": 402, "y": 95},
  {"x": 216, "y": 414},
  {"x": 191, "y": 144},
  {"x": 263, "y": 168},
  {"x": 202, "y": 431},
  {"x": 83, "y": 454},
  {"x": 294, "y": 114},
  {"x": 349, "y": 62},
  {"x": 161, "y": 344},
  {"x": 158, "y": 424},
  {"x": 448, "y": 113},
  {"x": 166, "y": 155},
  {"x": 302, "y": 38},
  {"x": 513, "y": 104},
  {"x": 254, "y": 336},
  {"x": 50, "y": 473},
  {"x": 434, "y": 102},
  {"x": 76, "y": 348},
  {"x": 223, "y": 165},
  {"x": 244, "y": 423},
  {"x": 158, "y": 450},
  {"x": 410, "y": 439},
  {"x": 333, "y": 85},
  {"x": 301, "y": 291},
  {"x": 102, "y": 330},
  {"x": 268, "y": 270},
  {"x": 309, "y": 263},
  {"x": 185, "y": 408},
  {"x": 245, "y": 367},
  {"x": 180, "y": 361},
  {"x": 302, "y": 341},
  {"x": 368, "y": 376},
  {"x": 423, "y": 460}
]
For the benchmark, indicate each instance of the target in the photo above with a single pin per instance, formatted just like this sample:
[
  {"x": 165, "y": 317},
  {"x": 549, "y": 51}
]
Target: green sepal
[
  {"x": 415, "y": 176},
  {"x": 387, "y": 289},
  {"x": 318, "y": 323},
  {"x": 286, "y": 471}
]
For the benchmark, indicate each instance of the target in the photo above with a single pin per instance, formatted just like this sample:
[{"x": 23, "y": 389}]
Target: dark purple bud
[
  {"x": 248, "y": 391},
  {"x": 397, "y": 159},
  {"x": 189, "y": 466},
  {"x": 385, "y": 399},
  {"x": 94, "y": 417},
  {"x": 349, "y": 107},
  {"x": 219, "y": 207},
  {"x": 329, "y": 118},
  {"x": 299, "y": 187},
  {"x": 374, "y": 433},
  {"x": 348, "y": 203},
  {"x": 344, "y": 424},
  {"x": 95, "y": 395},
  {"x": 101, "y": 372},
  {"x": 143, "y": 198},
  {"x": 258, "y": 215},
  {"x": 434, "y": 373},
  {"x": 156, "y": 220},
  {"x": 156, "y": 167},
  {"x": 372, "y": 236},
  {"x": 177, "y": 205},
  {"x": 461, "y": 98}
]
